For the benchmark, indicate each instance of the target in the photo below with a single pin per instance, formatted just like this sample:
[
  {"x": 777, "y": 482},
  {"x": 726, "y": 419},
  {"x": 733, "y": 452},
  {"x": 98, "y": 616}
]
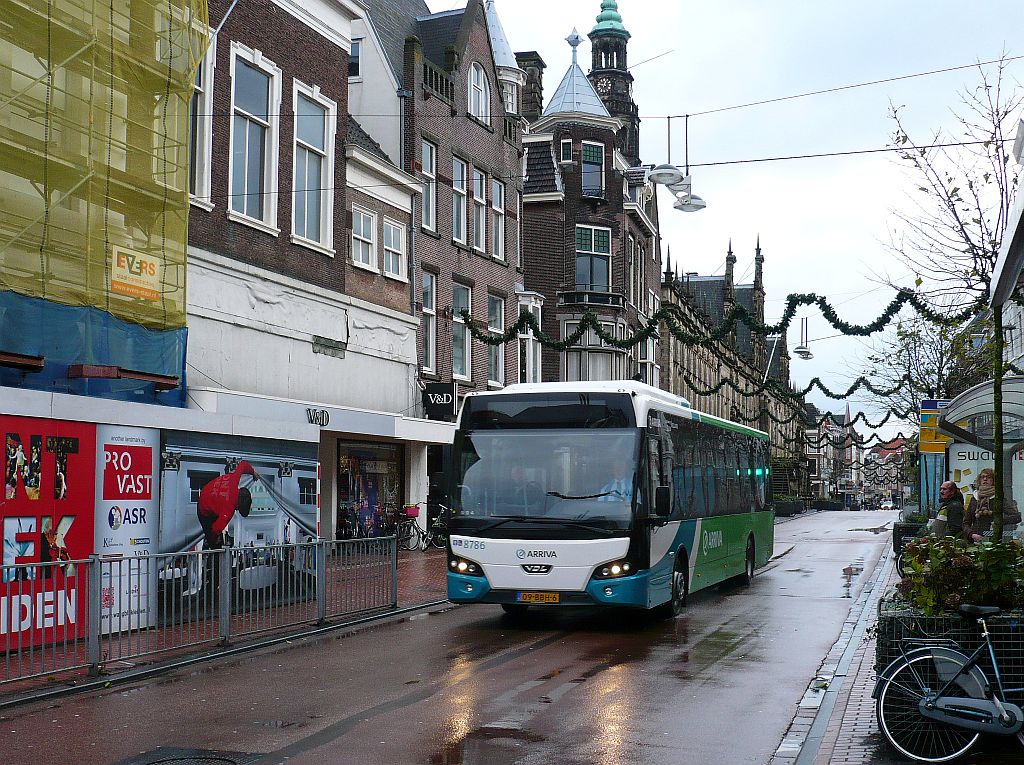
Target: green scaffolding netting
[{"x": 94, "y": 152}]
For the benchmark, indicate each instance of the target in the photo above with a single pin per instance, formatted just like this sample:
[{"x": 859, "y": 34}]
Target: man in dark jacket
[{"x": 949, "y": 521}]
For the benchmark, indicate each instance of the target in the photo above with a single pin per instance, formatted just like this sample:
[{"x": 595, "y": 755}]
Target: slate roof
[
  {"x": 437, "y": 31},
  {"x": 708, "y": 295},
  {"x": 542, "y": 174},
  {"x": 393, "y": 21},
  {"x": 359, "y": 137},
  {"x": 776, "y": 348}
]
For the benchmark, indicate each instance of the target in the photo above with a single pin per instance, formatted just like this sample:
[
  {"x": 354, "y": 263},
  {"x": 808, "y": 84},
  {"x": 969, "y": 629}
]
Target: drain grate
[{"x": 171, "y": 756}]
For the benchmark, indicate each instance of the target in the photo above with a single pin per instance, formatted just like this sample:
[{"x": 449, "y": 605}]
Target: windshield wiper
[
  {"x": 548, "y": 521},
  {"x": 581, "y": 496}
]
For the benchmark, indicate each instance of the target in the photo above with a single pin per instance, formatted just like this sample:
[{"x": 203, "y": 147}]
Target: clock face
[{"x": 604, "y": 86}]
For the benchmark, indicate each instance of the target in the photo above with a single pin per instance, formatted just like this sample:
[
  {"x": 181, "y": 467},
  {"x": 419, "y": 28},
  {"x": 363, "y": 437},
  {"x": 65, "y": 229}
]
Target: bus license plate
[{"x": 537, "y": 597}]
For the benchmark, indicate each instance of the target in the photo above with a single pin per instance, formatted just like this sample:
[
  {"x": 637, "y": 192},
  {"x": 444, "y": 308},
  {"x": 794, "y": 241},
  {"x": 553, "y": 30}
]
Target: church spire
[{"x": 758, "y": 265}]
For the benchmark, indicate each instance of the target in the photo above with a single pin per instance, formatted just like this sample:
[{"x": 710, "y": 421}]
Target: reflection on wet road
[{"x": 470, "y": 686}]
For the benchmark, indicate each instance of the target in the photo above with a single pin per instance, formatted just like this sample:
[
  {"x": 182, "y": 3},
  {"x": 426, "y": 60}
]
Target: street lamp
[
  {"x": 803, "y": 350},
  {"x": 678, "y": 181}
]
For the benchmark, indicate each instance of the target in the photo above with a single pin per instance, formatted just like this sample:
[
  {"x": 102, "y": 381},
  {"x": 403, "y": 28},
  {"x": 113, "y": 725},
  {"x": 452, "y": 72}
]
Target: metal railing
[{"x": 102, "y": 611}]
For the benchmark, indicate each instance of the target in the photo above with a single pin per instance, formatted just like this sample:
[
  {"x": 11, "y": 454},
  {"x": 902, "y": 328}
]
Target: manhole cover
[{"x": 172, "y": 756}]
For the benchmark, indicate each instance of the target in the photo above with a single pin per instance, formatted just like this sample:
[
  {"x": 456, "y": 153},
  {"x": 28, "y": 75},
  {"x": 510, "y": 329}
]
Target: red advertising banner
[
  {"x": 127, "y": 472},
  {"x": 49, "y": 474}
]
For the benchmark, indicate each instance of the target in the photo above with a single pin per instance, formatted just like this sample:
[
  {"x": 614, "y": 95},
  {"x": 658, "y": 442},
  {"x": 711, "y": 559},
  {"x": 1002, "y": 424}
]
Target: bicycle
[
  {"x": 934, "y": 701},
  {"x": 437, "y": 534},
  {"x": 410, "y": 535}
]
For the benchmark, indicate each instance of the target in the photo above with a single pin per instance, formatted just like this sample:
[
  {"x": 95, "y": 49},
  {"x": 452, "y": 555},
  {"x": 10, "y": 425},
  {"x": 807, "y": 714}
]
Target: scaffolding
[{"x": 94, "y": 153}]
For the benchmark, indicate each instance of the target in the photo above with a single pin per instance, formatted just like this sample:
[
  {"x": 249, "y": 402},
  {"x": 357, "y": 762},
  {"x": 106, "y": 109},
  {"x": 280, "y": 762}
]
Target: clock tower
[{"x": 611, "y": 78}]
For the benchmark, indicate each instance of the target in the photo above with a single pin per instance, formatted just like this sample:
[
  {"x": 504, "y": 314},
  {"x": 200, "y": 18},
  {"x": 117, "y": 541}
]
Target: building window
[
  {"x": 517, "y": 231},
  {"x": 255, "y": 107},
  {"x": 315, "y": 120},
  {"x": 307, "y": 491},
  {"x": 641, "y": 276},
  {"x": 461, "y": 361},
  {"x": 479, "y": 94},
  {"x": 479, "y": 210},
  {"x": 353, "y": 59},
  {"x": 592, "y": 358},
  {"x": 428, "y": 323},
  {"x": 593, "y": 253},
  {"x": 459, "y": 175},
  {"x": 197, "y": 479},
  {"x": 201, "y": 130},
  {"x": 510, "y": 95},
  {"x": 566, "y": 155},
  {"x": 593, "y": 169},
  {"x": 429, "y": 169},
  {"x": 364, "y": 226},
  {"x": 498, "y": 225},
  {"x": 529, "y": 348},
  {"x": 394, "y": 249},
  {"x": 496, "y": 353},
  {"x": 648, "y": 367}
]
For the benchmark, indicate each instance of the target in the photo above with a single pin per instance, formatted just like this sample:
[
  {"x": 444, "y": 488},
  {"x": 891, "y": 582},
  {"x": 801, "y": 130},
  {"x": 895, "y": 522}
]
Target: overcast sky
[{"x": 823, "y": 222}]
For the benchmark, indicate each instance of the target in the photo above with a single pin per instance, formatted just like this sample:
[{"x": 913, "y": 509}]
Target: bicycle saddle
[{"x": 976, "y": 612}]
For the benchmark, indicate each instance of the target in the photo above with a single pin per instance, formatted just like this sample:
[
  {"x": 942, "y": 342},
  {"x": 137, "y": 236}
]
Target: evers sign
[{"x": 46, "y": 517}]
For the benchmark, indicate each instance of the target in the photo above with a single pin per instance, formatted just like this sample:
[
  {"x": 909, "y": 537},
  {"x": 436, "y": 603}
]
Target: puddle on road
[
  {"x": 876, "y": 529},
  {"x": 850, "y": 574},
  {"x": 485, "y": 745}
]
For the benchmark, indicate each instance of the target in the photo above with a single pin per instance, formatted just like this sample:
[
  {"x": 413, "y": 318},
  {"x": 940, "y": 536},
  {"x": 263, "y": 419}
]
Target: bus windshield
[{"x": 582, "y": 478}]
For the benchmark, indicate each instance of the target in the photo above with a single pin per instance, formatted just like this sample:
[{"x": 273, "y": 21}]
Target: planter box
[
  {"x": 904, "y": 532},
  {"x": 789, "y": 507},
  {"x": 898, "y": 620}
]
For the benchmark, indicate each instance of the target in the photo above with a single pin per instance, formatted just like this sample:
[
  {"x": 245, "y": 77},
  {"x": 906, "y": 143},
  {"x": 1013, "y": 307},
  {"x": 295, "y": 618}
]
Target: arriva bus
[{"x": 602, "y": 493}]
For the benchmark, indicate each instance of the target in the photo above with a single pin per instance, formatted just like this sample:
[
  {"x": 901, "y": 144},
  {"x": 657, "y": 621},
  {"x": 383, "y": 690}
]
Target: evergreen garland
[{"x": 738, "y": 313}]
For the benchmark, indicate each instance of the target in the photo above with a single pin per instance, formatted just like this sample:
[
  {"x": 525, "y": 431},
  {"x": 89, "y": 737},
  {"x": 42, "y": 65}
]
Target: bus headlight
[
  {"x": 463, "y": 566},
  {"x": 613, "y": 570}
]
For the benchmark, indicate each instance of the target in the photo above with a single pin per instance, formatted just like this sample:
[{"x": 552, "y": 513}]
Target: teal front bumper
[{"x": 628, "y": 591}]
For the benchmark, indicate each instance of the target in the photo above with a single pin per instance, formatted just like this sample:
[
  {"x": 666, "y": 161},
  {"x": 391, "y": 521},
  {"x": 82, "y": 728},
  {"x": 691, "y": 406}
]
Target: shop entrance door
[{"x": 370, "y": 488}]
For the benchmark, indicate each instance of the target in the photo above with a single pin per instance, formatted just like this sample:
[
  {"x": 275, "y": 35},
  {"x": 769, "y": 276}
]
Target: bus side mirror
[{"x": 663, "y": 501}]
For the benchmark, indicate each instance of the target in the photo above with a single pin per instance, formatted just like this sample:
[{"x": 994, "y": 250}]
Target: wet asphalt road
[{"x": 468, "y": 686}]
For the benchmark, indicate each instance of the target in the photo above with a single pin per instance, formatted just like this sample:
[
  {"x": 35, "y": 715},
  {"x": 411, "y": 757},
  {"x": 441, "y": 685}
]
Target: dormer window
[{"x": 479, "y": 94}]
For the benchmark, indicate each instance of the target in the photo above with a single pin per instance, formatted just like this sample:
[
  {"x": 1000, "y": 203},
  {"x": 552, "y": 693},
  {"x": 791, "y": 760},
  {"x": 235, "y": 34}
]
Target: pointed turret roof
[
  {"x": 503, "y": 55},
  {"x": 575, "y": 93}
]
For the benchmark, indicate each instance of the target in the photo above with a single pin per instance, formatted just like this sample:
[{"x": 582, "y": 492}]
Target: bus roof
[{"x": 644, "y": 396}]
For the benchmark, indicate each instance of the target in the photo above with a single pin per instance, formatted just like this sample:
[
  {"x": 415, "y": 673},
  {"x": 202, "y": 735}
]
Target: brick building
[
  {"x": 748, "y": 360},
  {"x": 593, "y": 217},
  {"x": 301, "y": 310}
]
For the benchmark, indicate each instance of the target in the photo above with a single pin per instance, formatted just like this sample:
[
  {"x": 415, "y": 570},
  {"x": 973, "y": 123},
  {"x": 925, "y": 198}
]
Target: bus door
[{"x": 662, "y": 539}]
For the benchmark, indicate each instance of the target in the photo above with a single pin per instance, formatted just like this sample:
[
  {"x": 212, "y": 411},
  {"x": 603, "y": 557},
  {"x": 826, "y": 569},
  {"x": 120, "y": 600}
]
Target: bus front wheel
[{"x": 680, "y": 589}]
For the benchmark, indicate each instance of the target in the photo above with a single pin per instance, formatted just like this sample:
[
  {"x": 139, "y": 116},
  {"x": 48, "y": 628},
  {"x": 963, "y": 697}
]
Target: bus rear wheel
[{"x": 748, "y": 564}]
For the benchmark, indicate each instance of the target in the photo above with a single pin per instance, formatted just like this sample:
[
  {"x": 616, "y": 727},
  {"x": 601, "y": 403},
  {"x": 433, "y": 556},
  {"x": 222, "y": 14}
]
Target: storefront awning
[{"x": 969, "y": 416}]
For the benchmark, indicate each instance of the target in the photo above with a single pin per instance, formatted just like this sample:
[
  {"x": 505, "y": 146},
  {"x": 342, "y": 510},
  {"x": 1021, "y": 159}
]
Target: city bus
[{"x": 602, "y": 494}]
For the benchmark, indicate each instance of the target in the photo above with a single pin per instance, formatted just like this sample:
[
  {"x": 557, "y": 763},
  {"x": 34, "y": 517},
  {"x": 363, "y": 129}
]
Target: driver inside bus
[{"x": 620, "y": 487}]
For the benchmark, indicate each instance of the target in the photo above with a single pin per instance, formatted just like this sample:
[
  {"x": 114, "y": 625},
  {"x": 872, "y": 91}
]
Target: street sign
[{"x": 931, "y": 441}]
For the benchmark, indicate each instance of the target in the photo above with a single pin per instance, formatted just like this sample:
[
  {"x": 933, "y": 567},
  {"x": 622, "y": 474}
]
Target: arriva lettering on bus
[
  {"x": 47, "y": 609},
  {"x": 712, "y": 539}
]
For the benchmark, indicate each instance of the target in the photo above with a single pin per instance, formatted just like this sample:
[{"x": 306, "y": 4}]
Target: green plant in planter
[{"x": 942, "y": 574}]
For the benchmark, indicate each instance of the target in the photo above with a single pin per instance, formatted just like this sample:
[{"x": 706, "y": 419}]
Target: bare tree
[
  {"x": 965, "y": 185},
  {"x": 950, "y": 238}
]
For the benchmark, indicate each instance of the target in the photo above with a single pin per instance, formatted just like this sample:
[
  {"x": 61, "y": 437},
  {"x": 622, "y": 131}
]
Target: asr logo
[{"x": 127, "y": 517}]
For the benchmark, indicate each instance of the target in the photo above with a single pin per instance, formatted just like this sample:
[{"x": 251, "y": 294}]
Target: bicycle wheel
[
  {"x": 903, "y": 725},
  {"x": 409, "y": 536},
  {"x": 439, "y": 539}
]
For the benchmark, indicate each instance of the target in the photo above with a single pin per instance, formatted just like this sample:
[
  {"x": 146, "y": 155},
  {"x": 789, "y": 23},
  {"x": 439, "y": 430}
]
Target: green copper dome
[{"x": 609, "y": 21}]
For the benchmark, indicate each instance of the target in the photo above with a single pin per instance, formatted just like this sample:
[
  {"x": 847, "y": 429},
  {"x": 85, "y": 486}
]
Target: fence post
[
  {"x": 94, "y": 614},
  {"x": 394, "y": 572},
  {"x": 224, "y": 593},
  {"x": 321, "y": 581}
]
